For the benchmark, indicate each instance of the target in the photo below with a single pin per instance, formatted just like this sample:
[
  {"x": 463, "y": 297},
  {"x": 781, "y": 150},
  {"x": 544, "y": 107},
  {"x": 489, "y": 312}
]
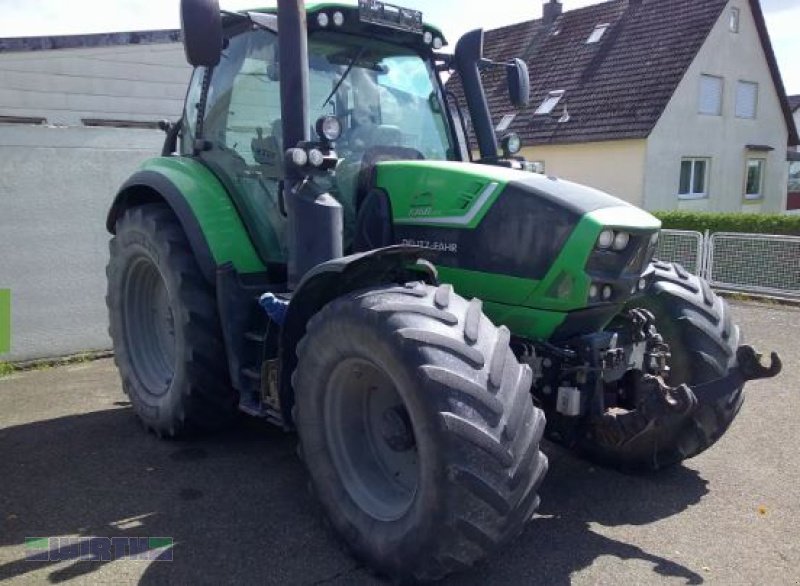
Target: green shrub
[{"x": 731, "y": 222}]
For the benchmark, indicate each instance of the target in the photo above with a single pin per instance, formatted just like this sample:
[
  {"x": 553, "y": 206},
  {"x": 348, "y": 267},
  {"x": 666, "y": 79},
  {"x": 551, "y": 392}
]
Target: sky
[{"x": 61, "y": 17}]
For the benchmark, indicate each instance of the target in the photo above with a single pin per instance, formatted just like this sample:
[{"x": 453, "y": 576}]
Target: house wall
[
  {"x": 682, "y": 132},
  {"x": 57, "y": 181},
  {"x": 616, "y": 167}
]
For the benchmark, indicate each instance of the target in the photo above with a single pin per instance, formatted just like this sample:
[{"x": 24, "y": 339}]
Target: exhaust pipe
[{"x": 316, "y": 223}]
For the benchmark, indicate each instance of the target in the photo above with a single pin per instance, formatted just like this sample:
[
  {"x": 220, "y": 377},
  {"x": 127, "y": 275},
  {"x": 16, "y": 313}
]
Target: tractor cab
[{"x": 373, "y": 77}]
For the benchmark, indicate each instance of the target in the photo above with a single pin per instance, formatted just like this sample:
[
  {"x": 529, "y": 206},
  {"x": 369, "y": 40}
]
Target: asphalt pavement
[{"x": 74, "y": 462}]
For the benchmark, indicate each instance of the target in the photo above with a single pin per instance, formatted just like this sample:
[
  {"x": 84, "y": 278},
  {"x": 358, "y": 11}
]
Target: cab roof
[{"x": 316, "y": 7}]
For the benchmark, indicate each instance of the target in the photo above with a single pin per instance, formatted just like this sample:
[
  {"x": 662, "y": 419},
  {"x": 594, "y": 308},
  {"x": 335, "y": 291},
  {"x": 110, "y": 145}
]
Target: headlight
[
  {"x": 621, "y": 240},
  {"x": 427, "y": 37},
  {"x": 315, "y": 157},
  {"x": 605, "y": 240},
  {"x": 299, "y": 157},
  {"x": 329, "y": 128},
  {"x": 438, "y": 43},
  {"x": 322, "y": 19},
  {"x": 338, "y": 18}
]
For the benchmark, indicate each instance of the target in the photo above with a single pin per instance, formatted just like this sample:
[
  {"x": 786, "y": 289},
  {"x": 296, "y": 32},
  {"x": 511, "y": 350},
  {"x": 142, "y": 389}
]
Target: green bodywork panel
[
  {"x": 458, "y": 195},
  {"x": 441, "y": 193},
  {"x": 212, "y": 207}
]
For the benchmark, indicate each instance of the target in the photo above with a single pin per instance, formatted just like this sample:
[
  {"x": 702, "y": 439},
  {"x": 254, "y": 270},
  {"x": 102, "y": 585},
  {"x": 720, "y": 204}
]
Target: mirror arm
[{"x": 200, "y": 144}]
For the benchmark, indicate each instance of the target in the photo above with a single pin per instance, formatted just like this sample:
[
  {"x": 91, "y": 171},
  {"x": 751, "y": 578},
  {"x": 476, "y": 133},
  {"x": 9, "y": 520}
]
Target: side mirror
[
  {"x": 201, "y": 26},
  {"x": 519, "y": 83}
]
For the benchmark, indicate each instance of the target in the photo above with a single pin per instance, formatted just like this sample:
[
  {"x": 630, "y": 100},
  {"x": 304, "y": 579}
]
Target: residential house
[
  {"x": 794, "y": 106},
  {"x": 669, "y": 104},
  {"x": 793, "y": 190}
]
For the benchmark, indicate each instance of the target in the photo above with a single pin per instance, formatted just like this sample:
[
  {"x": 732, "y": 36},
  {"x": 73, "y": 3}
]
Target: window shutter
[
  {"x": 710, "y": 95},
  {"x": 746, "y": 99},
  {"x": 685, "y": 186}
]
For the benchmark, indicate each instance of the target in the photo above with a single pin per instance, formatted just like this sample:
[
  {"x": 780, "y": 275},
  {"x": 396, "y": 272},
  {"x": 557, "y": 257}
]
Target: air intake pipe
[{"x": 468, "y": 60}]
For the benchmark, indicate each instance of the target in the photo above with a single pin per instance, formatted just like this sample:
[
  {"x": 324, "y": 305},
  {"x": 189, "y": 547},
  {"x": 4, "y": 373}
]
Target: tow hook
[
  {"x": 683, "y": 399},
  {"x": 750, "y": 365},
  {"x": 658, "y": 400}
]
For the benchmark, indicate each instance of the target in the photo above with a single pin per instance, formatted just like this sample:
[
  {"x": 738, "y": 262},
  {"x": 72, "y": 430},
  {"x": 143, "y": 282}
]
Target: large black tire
[
  {"x": 447, "y": 396},
  {"x": 165, "y": 328},
  {"x": 697, "y": 325}
]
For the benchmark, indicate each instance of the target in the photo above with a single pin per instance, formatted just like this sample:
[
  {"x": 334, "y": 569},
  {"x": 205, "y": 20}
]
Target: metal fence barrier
[
  {"x": 751, "y": 263},
  {"x": 684, "y": 247},
  {"x": 754, "y": 263}
]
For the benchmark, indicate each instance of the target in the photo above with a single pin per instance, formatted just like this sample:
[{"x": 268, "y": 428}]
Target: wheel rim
[
  {"x": 371, "y": 439},
  {"x": 149, "y": 326}
]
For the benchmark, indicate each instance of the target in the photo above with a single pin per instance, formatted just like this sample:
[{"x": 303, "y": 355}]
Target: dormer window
[
  {"x": 550, "y": 102},
  {"x": 597, "y": 33}
]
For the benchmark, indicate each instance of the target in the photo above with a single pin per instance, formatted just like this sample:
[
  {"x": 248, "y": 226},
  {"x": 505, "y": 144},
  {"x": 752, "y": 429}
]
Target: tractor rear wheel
[
  {"x": 697, "y": 325},
  {"x": 418, "y": 429},
  {"x": 165, "y": 327}
]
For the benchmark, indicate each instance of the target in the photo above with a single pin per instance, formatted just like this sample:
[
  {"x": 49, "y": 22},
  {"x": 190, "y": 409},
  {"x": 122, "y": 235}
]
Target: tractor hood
[
  {"x": 460, "y": 195},
  {"x": 492, "y": 220}
]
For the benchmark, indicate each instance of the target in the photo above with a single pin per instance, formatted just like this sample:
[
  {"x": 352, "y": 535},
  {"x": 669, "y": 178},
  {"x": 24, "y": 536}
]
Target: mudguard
[
  {"x": 203, "y": 208},
  {"x": 332, "y": 279}
]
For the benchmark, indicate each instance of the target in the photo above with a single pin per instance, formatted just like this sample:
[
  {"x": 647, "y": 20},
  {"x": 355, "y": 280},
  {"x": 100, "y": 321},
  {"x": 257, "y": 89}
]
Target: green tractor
[{"x": 318, "y": 246}]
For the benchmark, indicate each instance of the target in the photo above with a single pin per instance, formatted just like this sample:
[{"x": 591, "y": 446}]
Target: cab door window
[{"x": 242, "y": 124}]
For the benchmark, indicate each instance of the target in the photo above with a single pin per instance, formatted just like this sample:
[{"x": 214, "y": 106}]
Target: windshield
[{"x": 384, "y": 95}]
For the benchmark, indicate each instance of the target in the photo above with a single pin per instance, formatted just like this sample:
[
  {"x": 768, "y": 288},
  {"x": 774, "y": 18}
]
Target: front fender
[
  {"x": 203, "y": 208},
  {"x": 332, "y": 279}
]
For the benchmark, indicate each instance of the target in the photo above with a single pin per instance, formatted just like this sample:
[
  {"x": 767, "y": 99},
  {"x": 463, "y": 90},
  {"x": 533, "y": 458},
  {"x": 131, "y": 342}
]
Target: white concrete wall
[
  {"x": 682, "y": 132},
  {"x": 56, "y": 185},
  {"x": 130, "y": 82},
  {"x": 57, "y": 182}
]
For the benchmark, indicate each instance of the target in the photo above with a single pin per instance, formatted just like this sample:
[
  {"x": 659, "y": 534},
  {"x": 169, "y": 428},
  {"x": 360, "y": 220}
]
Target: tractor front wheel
[
  {"x": 703, "y": 339},
  {"x": 165, "y": 328},
  {"x": 417, "y": 428}
]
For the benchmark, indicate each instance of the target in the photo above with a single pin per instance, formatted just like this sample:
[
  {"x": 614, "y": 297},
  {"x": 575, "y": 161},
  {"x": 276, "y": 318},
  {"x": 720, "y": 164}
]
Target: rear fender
[{"x": 203, "y": 208}]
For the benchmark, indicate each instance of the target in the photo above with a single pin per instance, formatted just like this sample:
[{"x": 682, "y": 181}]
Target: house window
[
  {"x": 754, "y": 183},
  {"x": 734, "y": 20},
  {"x": 550, "y": 102},
  {"x": 710, "y": 95},
  {"x": 746, "y": 99},
  {"x": 597, "y": 33},
  {"x": 694, "y": 179}
]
